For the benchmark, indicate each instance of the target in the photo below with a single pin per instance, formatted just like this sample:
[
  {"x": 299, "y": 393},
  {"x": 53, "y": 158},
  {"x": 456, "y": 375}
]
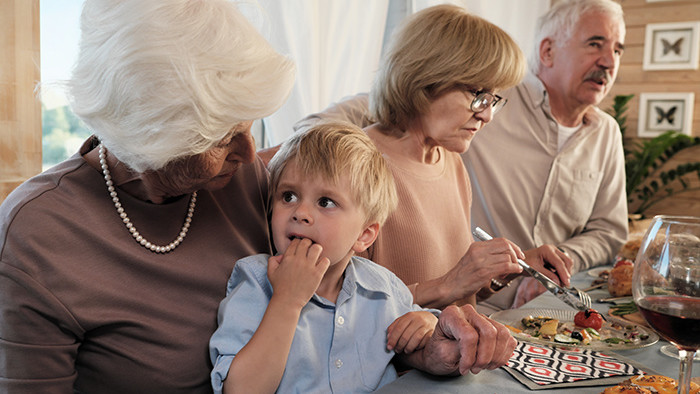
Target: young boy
[{"x": 314, "y": 318}]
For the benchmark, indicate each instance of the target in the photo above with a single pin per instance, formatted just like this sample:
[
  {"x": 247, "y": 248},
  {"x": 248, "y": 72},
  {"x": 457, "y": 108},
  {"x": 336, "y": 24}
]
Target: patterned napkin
[{"x": 544, "y": 365}]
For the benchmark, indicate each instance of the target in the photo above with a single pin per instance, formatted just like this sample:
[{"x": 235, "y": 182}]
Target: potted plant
[{"x": 649, "y": 179}]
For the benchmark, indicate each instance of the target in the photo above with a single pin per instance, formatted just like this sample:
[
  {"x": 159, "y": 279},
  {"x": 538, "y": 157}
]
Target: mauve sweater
[{"x": 83, "y": 307}]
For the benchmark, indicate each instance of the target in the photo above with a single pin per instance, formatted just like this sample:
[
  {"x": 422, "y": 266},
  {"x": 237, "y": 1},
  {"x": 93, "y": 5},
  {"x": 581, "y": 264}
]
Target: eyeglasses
[{"x": 482, "y": 100}]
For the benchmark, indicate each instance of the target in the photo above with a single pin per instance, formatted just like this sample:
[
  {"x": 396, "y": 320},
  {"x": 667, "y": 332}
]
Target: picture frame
[
  {"x": 672, "y": 46},
  {"x": 662, "y": 112}
]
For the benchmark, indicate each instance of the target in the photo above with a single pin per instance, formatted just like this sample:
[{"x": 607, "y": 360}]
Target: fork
[{"x": 583, "y": 297}]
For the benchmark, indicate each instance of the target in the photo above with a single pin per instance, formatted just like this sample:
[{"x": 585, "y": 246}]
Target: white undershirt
[{"x": 565, "y": 133}]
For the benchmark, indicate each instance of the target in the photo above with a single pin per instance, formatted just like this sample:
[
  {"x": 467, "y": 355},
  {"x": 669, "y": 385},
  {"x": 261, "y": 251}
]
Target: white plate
[
  {"x": 594, "y": 272},
  {"x": 513, "y": 317}
]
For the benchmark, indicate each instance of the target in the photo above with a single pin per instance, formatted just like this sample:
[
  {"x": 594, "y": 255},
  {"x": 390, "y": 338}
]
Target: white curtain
[
  {"x": 516, "y": 17},
  {"x": 337, "y": 45}
]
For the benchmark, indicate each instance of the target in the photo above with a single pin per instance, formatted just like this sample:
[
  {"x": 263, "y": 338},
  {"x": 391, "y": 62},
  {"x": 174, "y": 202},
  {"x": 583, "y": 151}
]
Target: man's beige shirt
[{"x": 526, "y": 190}]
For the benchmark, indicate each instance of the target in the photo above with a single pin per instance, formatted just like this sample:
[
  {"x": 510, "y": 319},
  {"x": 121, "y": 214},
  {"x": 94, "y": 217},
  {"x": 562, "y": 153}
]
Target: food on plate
[
  {"x": 549, "y": 327},
  {"x": 589, "y": 318},
  {"x": 628, "y": 311},
  {"x": 553, "y": 330},
  {"x": 650, "y": 384},
  {"x": 626, "y": 389},
  {"x": 629, "y": 249},
  {"x": 601, "y": 278},
  {"x": 624, "y": 308},
  {"x": 620, "y": 278}
]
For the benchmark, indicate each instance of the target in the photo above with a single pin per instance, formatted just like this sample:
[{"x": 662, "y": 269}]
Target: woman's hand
[
  {"x": 483, "y": 261},
  {"x": 552, "y": 262},
  {"x": 410, "y": 332},
  {"x": 296, "y": 274}
]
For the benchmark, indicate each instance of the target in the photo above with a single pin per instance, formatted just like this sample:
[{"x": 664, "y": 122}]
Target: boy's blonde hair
[
  {"x": 438, "y": 49},
  {"x": 334, "y": 149}
]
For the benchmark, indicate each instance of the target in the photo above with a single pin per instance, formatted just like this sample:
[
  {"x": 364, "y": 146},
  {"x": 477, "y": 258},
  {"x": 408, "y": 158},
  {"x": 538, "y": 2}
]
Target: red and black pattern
[{"x": 544, "y": 365}]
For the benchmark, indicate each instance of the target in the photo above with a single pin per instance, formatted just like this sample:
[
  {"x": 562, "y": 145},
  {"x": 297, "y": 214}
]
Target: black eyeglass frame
[{"x": 497, "y": 102}]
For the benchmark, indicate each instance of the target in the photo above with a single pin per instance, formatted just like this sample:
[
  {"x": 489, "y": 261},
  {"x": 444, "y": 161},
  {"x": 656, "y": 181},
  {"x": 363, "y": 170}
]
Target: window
[{"x": 62, "y": 132}]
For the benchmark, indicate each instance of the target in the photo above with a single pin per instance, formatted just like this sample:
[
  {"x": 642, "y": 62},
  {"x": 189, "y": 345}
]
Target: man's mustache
[{"x": 598, "y": 75}]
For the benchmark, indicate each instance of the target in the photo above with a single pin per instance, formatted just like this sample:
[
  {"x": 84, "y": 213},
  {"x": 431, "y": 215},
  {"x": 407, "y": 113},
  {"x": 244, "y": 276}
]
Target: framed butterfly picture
[
  {"x": 672, "y": 46},
  {"x": 662, "y": 112}
]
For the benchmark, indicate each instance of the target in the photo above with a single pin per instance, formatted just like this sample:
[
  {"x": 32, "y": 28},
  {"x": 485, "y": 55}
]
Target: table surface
[{"x": 500, "y": 381}]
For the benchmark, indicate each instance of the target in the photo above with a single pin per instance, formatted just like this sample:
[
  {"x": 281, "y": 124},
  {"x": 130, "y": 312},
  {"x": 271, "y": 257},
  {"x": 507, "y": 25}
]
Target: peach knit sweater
[{"x": 430, "y": 230}]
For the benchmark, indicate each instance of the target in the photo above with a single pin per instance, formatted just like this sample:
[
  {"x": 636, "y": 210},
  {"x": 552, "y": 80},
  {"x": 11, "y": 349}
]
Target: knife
[
  {"x": 615, "y": 300},
  {"x": 560, "y": 292}
]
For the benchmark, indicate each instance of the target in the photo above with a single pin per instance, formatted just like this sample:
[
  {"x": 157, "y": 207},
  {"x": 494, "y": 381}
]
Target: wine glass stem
[{"x": 685, "y": 370}]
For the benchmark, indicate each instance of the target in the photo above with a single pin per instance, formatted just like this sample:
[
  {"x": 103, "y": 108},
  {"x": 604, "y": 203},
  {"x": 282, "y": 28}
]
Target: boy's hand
[
  {"x": 296, "y": 274},
  {"x": 411, "y": 331}
]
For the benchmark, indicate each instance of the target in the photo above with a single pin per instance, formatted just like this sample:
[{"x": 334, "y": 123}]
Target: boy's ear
[{"x": 366, "y": 238}]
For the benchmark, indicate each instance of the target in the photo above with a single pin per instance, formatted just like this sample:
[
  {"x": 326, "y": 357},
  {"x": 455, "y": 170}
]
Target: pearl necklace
[{"x": 120, "y": 210}]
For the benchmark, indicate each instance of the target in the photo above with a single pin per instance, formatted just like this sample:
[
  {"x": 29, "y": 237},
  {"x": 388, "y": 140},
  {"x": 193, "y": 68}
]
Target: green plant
[
  {"x": 62, "y": 134},
  {"x": 649, "y": 180}
]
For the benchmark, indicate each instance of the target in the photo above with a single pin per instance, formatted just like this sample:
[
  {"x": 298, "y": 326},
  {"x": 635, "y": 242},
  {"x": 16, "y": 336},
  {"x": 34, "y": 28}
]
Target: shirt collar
[
  {"x": 125, "y": 177},
  {"x": 536, "y": 90},
  {"x": 359, "y": 273},
  {"x": 538, "y": 96}
]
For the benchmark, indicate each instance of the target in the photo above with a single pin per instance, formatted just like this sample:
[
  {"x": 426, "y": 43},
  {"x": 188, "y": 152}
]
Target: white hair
[
  {"x": 159, "y": 80},
  {"x": 561, "y": 20}
]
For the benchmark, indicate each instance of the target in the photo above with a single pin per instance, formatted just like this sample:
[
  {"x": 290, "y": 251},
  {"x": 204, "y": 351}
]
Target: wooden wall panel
[
  {"x": 20, "y": 111},
  {"x": 632, "y": 79}
]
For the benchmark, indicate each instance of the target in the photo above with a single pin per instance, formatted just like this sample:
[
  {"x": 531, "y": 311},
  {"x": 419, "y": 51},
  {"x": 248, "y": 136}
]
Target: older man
[{"x": 550, "y": 168}]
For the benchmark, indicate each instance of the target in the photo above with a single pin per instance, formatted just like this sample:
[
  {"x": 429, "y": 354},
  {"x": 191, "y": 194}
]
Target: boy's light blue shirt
[{"x": 337, "y": 347}]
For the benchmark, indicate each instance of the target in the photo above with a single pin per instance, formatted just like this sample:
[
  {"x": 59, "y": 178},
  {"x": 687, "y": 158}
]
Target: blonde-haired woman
[
  {"x": 435, "y": 89},
  {"x": 113, "y": 263}
]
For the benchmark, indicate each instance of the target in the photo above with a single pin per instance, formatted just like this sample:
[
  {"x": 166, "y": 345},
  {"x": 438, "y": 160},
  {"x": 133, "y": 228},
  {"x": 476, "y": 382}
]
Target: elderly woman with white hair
[{"x": 113, "y": 262}]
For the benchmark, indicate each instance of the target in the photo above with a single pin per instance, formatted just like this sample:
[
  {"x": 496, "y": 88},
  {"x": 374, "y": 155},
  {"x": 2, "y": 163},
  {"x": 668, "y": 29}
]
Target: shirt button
[
  {"x": 338, "y": 363},
  {"x": 341, "y": 320}
]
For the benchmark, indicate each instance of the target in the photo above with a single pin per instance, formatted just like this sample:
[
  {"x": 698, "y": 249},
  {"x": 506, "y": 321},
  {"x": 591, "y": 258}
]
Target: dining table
[{"x": 648, "y": 358}]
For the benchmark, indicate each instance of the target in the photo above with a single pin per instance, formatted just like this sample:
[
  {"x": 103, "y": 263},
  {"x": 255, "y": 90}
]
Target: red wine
[{"x": 675, "y": 318}]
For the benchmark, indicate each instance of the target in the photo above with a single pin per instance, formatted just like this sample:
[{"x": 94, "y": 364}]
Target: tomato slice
[{"x": 590, "y": 318}]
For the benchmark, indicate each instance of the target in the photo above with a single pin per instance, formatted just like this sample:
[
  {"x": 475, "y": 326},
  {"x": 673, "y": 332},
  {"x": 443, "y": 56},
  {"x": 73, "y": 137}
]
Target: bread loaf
[
  {"x": 620, "y": 279},
  {"x": 655, "y": 384}
]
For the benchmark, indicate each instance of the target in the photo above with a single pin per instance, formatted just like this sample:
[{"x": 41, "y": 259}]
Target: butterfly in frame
[
  {"x": 669, "y": 47},
  {"x": 669, "y": 115}
]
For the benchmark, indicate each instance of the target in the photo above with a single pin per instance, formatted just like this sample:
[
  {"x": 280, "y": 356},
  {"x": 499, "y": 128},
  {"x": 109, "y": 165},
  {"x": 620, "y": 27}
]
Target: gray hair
[
  {"x": 161, "y": 80},
  {"x": 561, "y": 20}
]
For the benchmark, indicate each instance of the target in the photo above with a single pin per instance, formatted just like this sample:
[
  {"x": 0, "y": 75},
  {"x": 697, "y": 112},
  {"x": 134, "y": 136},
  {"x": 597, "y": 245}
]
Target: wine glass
[
  {"x": 672, "y": 351},
  {"x": 666, "y": 286}
]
